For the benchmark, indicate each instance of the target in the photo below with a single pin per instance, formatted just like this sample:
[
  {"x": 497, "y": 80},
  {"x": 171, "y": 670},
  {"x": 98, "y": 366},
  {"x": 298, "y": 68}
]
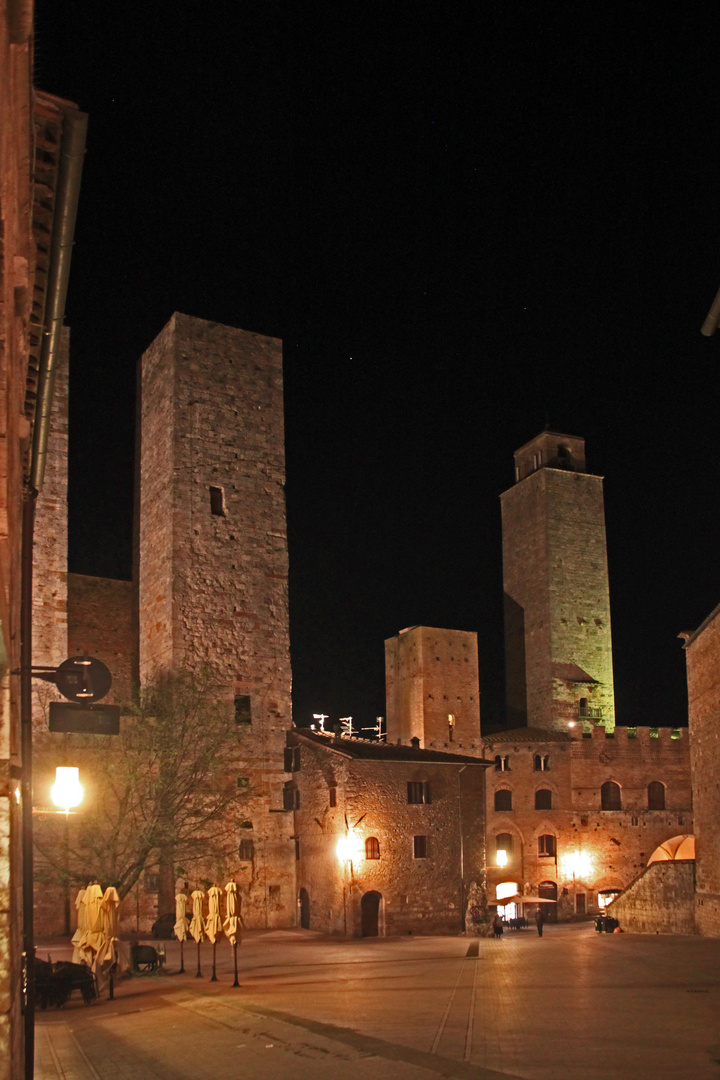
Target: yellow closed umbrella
[
  {"x": 213, "y": 925},
  {"x": 180, "y": 929},
  {"x": 197, "y": 926},
  {"x": 108, "y": 955},
  {"x": 233, "y": 921},
  {"x": 81, "y": 954},
  {"x": 92, "y": 939}
]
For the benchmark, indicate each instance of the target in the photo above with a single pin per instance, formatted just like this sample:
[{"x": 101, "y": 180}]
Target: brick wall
[
  {"x": 419, "y": 895},
  {"x": 703, "y": 674},
  {"x": 660, "y": 901},
  {"x": 213, "y": 560},
  {"x": 606, "y": 849},
  {"x": 431, "y": 674}
]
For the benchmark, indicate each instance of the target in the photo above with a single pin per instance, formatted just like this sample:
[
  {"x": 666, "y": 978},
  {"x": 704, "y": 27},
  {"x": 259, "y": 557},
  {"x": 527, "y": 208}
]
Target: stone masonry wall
[
  {"x": 660, "y": 901},
  {"x": 555, "y": 572},
  {"x": 431, "y": 674},
  {"x": 703, "y": 674},
  {"x": 213, "y": 560},
  {"x": 419, "y": 895},
  {"x": 100, "y": 623}
]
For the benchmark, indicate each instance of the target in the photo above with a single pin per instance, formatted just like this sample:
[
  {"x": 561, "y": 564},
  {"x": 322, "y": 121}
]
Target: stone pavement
[{"x": 574, "y": 1003}]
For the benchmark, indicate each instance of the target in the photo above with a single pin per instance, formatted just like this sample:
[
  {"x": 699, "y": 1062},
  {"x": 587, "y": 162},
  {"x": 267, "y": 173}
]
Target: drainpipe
[
  {"x": 72, "y": 151},
  {"x": 462, "y": 854}
]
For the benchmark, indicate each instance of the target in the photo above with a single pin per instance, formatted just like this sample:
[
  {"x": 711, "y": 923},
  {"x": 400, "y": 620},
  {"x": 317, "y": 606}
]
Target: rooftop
[{"x": 370, "y": 750}]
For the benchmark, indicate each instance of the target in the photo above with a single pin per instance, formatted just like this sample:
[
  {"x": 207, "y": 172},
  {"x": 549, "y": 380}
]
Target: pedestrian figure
[
  {"x": 539, "y": 920},
  {"x": 497, "y": 926}
]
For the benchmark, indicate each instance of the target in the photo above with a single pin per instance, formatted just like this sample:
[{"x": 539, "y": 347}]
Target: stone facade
[
  {"x": 660, "y": 901},
  {"x": 403, "y": 866},
  {"x": 431, "y": 688},
  {"x": 563, "y": 839},
  {"x": 213, "y": 563},
  {"x": 557, "y": 602},
  {"x": 703, "y": 675},
  {"x": 100, "y": 622}
]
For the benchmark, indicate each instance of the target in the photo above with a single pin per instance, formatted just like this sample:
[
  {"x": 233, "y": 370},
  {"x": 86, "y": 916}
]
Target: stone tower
[
  {"x": 557, "y": 605},
  {"x": 431, "y": 688},
  {"x": 212, "y": 563}
]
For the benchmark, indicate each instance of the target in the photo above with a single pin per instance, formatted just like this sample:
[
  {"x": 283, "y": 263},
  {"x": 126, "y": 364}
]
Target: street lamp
[{"x": 67, "y": 792}]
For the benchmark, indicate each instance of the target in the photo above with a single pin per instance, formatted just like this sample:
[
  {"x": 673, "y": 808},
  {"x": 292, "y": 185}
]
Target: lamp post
[{"x": 66, "y": 793}]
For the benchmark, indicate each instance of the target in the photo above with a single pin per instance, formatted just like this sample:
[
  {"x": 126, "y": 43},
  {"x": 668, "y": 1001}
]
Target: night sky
[{"x": 466, "y": 222}]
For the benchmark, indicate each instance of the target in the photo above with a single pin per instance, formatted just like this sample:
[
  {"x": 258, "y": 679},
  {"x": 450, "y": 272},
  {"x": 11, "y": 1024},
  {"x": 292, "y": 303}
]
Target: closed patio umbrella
[
  {"x": 108, "y": 955},
  {"x": 180, "y": 929},
  {"x": 92, "y": 939},
  {"x": 197, "y": 926},
  {"x": 81, "y": 954},
  {"x": 213, "y": 925},
  {"x": 233, "y": 920}
]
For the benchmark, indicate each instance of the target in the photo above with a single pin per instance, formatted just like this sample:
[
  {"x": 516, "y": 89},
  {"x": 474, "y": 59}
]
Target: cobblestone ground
[{"x": 574, "y": 1003}]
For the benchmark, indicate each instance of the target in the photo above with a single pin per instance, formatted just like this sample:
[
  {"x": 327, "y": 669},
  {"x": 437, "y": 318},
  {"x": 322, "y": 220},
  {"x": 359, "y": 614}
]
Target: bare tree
[{"x": 163, "y": 792}]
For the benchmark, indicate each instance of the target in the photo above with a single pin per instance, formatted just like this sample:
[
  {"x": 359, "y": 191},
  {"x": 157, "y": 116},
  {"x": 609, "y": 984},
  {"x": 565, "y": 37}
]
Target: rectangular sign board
[{"x": 84, "y": 719}]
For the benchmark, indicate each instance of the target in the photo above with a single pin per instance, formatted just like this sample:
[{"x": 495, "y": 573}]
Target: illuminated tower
[{"x": 557, "y": 606}]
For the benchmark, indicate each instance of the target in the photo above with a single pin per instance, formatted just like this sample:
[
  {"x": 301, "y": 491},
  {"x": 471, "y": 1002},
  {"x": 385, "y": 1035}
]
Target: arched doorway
[
  {"x": 304, "y": 909},
  {"x": 548, "y": 891},
  {"x": 370, "y": 908}
]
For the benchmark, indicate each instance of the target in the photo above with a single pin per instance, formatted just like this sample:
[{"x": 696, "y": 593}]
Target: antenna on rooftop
[
  {"x": 322, "y": 717},
  {"x": 377, "y": 728},
  {"x": 346, "y": 726}
]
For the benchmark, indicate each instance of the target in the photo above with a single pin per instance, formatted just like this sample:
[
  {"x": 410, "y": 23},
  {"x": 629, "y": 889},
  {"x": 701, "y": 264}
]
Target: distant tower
[
  {"x": 212, "y": 563},
  {"x": 431, "y": 687},
  {"x": 557, "y": 605}
]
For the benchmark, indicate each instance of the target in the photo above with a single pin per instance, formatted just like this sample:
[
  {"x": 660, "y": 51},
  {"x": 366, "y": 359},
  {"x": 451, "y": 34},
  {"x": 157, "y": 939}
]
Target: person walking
[{"x": 539, "y": 920}]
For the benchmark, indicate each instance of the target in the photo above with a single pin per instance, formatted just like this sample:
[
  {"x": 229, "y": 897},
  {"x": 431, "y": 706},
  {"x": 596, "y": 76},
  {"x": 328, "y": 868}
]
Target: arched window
[
  {"x": 503, "y": 799},
  {"x": 610, "y": 796},
  {"x": 546, "y": 844},
  {"x": 656, "y": 796},
  {"x": 541, "y": 763},
  {"x": 543, "y": 799},
  {"x": 504, "y": 842},
  {"x": 502, "y": 764},
  {"x": 372, "y": 848}
]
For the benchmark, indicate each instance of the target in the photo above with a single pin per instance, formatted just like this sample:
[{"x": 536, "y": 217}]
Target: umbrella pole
[
  {"x": 199, "y": 972},
  {"x": 214, "y": 976},
  {"x": 236, "y": 983},
  {"x": 182, "y": 958}
]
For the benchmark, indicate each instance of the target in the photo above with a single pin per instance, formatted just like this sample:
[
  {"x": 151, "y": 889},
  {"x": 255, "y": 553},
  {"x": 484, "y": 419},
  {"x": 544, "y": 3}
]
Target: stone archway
[
  {"x": 304, "y": 909},
  {"x": 370, "y": 911}
]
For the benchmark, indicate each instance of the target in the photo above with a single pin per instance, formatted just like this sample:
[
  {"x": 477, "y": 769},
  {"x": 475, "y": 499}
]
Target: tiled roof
[
  {"x": 369, "y": 750},
  {"x": 527, "y": 735}
]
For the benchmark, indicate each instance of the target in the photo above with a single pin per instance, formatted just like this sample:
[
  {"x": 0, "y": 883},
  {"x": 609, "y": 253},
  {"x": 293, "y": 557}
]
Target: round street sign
[{"x": 83, "y": 679}]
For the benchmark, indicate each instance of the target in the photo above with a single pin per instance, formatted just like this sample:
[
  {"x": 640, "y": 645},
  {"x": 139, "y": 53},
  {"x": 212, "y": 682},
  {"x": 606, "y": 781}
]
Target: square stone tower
[
  {"x": 213, "y": 563},
  {"x": 557, "y": 604},
  {"x": 431, "y": 688}
]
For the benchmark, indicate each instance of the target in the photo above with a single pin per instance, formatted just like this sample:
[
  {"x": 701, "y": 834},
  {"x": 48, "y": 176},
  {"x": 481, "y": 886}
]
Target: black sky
[{"x": 465, "y": 221}]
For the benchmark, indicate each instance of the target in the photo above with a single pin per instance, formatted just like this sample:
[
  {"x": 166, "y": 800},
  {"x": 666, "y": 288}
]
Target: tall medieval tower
[
  {"x": 431, "y": 688},
  {"x": 557, "y": 605},
  {"x": 212, "y": 563}
]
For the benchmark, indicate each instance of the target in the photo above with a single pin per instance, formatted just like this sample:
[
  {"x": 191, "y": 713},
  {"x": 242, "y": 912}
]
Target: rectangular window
[
  {"x": 217, "y": 501},
  {"x": 242, "y": 709},
  {"x": 420, "y": 847},
  {"x": 288, "y": 756},
  {"x": 296, "y": 759},
  {"x": 297, "y": 850},
  {"x": 246, "y": 850},
  {"x": 288, "y": 798},
  {"x": 332, "y": 792},
  {"x": 546, "y": 844},
  {"x": 274, "y": 897},
  {"x": 152, "y": 881},
  {"x": 418, "y": 791}
]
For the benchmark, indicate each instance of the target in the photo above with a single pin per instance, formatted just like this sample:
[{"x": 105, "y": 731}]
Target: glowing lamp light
[
  {"x": 506, "y": 889},
  {"x": 348, "y": 849},
  {"x": 67, "y": 791},
  {"x": 502, "y": 858}
]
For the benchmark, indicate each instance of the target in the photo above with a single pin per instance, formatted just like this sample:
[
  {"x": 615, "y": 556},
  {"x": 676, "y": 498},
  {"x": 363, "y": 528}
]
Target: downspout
[
  {"x": 462, "y": 853},
  {"x": 72, "y": 152}
]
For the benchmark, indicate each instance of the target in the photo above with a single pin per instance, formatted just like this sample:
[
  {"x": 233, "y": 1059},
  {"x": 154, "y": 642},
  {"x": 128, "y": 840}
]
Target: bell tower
[{"x": 558, "y": 649}]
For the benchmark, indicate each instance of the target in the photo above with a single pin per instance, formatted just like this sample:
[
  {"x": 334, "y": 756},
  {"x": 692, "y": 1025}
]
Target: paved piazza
[{"x": 573, "y": 1004}]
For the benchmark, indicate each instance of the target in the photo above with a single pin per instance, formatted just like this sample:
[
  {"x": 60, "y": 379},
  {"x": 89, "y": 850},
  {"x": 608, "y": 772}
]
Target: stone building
[
  {"x": 388, "y": 837},
  {"x": 41, "y": 143},
  {"x": 702, "y": 653}
]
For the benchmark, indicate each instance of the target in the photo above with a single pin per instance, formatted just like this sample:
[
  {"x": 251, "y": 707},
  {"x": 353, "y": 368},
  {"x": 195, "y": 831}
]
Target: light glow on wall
[
  {"x": 505, "y": 889},
  {"x": 502, "y": 857},
  {"x": 67, "y": 791},
  {"x": 349, "y": 848}
]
